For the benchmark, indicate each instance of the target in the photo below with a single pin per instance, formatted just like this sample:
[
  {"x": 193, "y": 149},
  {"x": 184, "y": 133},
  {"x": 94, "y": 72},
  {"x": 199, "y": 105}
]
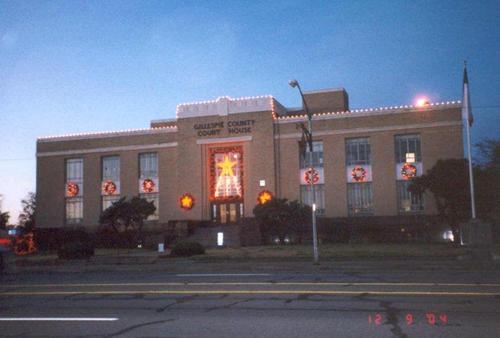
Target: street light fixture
[{"x": 307, "y": 135}]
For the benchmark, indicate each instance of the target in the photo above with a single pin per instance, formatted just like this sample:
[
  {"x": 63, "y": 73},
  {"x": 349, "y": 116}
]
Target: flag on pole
[{"x": 466, "y": 108}]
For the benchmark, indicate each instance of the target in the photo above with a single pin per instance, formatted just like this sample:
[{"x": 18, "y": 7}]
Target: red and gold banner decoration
[
  {"x": 358, "y": 174},
  {"x": 408, "y": 171},
  {"x": 311, "y": 175},
  {"x": 186, "y": 201},
  {"x": 264, "y": 197},
  {"x": 72, "y": 189},
  {"x": 109, "y": 188},
  {"x": 148, "y": 185}
]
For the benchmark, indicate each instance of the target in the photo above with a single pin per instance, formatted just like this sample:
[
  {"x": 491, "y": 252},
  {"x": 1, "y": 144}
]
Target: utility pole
[{"x": 307, "y": 132}]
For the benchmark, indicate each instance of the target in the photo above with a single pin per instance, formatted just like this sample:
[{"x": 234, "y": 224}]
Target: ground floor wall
[{"x": 436, "y": 143}]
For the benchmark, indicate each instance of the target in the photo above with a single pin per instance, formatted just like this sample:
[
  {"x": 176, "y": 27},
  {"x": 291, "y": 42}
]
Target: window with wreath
[
  {"x": 74, "y": 191},
  {"x": 359, "y": 176},
  {"x": 148, "y": 181},
  {"x": 317, "y": 175},
  {"x": 408, "y": 156},
  {"x": 110, "y": 185}
]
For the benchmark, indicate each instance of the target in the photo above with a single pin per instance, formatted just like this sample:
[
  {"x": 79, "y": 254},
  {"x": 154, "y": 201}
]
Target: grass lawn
[{"x": 337, "y": 251}]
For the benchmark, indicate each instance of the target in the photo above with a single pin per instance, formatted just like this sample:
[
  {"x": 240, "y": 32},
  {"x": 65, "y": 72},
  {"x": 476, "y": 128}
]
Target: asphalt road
[{"x": 186, "y": 299}]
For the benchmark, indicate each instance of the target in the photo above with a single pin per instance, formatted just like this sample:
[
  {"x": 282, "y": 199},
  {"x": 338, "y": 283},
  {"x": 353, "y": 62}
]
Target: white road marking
[
  {"x": 221, "y": 274},
  {"x": 56, "y": 319}
]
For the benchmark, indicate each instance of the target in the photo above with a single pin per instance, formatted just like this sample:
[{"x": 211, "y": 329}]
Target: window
[
  {"x": 306, "y": 197},
  {"x": 359, "y": 199},
  {"x": 107, "y": 201},
  {"x": 74, "y": 210},
  {"x": 148, "y": 165},
  {"x": 317, "y": 156},
  {"x": 359, "y": 186},
  {"x": 74, "y": 191},
  {"x": 111, "y": 168},
  {"x": 357, "y": 151},
  {"x": 319, "y": 189},
  {"x": 407, "y": 144},
  {"x": 110, "y": 189},
  {"x": 148, "y": 172},
  {"x": 407, "y": 201}
]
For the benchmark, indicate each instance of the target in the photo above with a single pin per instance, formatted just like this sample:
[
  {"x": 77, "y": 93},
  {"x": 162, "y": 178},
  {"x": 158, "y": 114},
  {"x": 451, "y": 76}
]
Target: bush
[
  {"x": 76, "y": 250},
  {"x": 187, "y": 249}
]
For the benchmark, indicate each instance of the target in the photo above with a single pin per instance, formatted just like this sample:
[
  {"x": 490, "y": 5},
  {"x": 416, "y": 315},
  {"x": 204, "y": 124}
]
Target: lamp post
[{"x": 307, "y": 132}]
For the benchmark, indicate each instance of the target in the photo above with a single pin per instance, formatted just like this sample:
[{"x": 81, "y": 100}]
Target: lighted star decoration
[
  {"x": 187, "y": 201},
  {"x": 227, "y": 166},
  {"x": 264, "y": 197}
]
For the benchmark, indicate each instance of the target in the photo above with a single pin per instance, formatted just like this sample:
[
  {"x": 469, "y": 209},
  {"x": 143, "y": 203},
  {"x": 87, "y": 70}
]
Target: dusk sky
[{"x": 71, "y": 66}]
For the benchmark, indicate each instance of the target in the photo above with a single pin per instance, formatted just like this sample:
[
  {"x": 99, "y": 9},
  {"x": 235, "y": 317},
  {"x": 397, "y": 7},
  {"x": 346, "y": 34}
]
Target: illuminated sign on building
[{"x": 226, "y": 173}]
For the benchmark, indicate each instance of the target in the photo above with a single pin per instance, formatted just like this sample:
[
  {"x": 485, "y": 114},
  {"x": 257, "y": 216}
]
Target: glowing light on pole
[
  {"x": 308, "y": 133},
  {"x": 422, "y": 102}
]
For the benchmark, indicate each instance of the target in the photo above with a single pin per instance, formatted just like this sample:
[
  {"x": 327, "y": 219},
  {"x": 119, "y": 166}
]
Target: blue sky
[{"x": 70, "y": 66}]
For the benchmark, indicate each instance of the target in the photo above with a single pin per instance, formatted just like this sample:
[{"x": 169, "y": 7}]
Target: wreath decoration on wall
[
  {"x": 358, "y": 174},
  {"x": 186, "y": 201},
  {"x": 408, "y": 171},
  {"x": 264, "y": 197},
  {"x": 109, "y": 187},
  {"x": 148, "y": 185},
  {"x": 311, "y": 174},
  {"x": 72, "y": 189}
]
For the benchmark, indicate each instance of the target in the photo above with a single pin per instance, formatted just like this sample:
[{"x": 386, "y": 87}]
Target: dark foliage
[
  {"x": 187, "y": 249},
  {"x": 448, "y": 181},
  {"x": 76, "y": 250},
  {"x": 27, "y": 217},
  {"x": 4, "y": 219},
  {"x": 128, "y": 216},
  {"x": 281, "y": 218},
  {"x": 55, "y": 238},
  {"x": 106, "y": 237}
]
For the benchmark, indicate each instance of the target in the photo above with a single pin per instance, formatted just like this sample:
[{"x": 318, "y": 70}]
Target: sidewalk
[{"x": 290, "y": 257}]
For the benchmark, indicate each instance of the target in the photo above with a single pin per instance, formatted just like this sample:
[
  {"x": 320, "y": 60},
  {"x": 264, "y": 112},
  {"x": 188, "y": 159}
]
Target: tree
[
  {"x": 126, "y": 216},
  {"x": 280, "y": 218},
  {"x": 487, "y": 182},
  {"x": 4, "y": 219},
  {"x": 448, "y": 181},
  {"x": 27, "y": 216},
  {"x": 489, "y": 154}
]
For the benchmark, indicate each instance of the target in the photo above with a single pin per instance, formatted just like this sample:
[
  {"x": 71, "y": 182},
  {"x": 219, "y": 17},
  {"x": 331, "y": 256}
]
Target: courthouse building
[{"x": 217, "y": 159}]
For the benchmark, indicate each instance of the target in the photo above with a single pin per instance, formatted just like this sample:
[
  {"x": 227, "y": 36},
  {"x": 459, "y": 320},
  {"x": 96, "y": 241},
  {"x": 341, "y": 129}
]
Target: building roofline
[
  {"x": 104, "y": 134},
  {"x": 164, "y": 120},
  {"x": 325, "y": 90},
  {"x": 371, "y": 111},
  {"x": 242, "y": 98}
]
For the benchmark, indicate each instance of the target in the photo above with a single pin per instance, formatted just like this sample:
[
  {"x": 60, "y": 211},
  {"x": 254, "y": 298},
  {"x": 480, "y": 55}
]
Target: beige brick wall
[
  {"x": 273, "y": 147},
  {"x": 50, "y": 187},
  {"x": 438, "y": 140}
]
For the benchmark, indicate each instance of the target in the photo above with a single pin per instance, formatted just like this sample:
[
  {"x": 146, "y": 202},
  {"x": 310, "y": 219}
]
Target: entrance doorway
[{"x": 227, "y": 212}]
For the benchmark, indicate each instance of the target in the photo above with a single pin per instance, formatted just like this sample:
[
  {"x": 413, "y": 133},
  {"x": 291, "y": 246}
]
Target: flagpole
[
  {"x": 467, "y": 120},
  {"x": 471, "y": 177}
]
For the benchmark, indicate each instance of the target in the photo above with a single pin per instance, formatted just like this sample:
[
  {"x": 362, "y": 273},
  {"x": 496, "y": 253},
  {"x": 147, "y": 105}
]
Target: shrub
[
  {"x": 187, "y": 249},
  {"x": 108, "y": 238},
  {"x": 76, "y": 250}
]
